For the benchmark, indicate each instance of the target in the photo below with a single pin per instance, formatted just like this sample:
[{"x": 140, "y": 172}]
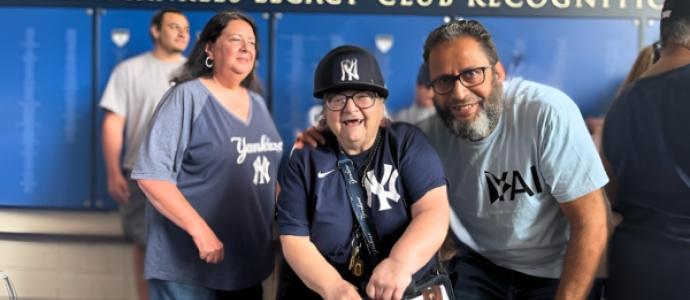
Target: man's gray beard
[{"x": 483, "y": 124}]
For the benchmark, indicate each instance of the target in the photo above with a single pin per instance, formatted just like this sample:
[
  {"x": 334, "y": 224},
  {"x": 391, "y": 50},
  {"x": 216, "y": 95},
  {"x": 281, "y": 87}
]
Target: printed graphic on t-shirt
[
  {"x": 261, "y": 164},
  {"x": 378, "y": 187},
  {"x": 511, "y": 183},
  {"x": 261, "y": 174}
]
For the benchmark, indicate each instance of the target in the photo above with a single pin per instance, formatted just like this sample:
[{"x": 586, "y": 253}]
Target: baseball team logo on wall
[
  {"x": 384, "y": 42},
  {"x": 120, "y": 36}
]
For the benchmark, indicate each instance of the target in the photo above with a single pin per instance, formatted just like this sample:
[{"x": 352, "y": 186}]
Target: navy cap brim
[{"x": 382, "y": 91}]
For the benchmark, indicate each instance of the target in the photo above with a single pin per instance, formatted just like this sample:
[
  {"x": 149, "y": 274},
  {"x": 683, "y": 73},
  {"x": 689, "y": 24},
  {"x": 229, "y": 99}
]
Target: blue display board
[
  {"x": 586, "y": 58},
  {"x": 303, "y": 39},
  {"x": 46, "y": 127},
  {"x": 651, "y": 31},
  {"x": 125, "y": 33},
  {"x": 50, "y": 145}
]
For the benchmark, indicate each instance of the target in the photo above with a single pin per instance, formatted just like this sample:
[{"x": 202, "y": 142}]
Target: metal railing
[{"x": 11, "y": 293}]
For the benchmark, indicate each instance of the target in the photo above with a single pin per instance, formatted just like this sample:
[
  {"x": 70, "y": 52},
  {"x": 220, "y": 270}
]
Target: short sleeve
[
  {"x": 114, "y": 97},
  {"x": 292, "y": 206},
  {"x": 160, "y": 156},
  {"x": 420, "y": 167},
  {"x": 569, "y": 162}
]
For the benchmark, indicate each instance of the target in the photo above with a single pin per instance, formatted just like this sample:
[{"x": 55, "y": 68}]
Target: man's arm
[
  {"x": 588, "y": 236},
  {"x": 112, "y": 138}
]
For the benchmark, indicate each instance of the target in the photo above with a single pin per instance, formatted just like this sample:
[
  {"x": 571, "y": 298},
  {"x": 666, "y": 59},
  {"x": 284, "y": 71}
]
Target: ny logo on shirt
[
  {"x": 261, "y": 175},
  {"x": 498, "y": 187},
  {"x": 376, "y": 187}
]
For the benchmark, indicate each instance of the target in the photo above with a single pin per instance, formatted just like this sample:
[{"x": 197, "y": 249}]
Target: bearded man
[{"x": 528, "y": 214}]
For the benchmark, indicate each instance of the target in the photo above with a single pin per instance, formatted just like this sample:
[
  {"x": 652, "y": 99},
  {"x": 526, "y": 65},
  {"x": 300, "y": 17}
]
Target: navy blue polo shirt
[{"x": 313, "y": 200}]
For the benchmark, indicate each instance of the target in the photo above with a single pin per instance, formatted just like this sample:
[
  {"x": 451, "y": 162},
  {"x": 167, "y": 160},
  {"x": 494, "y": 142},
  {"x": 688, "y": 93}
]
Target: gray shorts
[{"x": 132, "y": 214}]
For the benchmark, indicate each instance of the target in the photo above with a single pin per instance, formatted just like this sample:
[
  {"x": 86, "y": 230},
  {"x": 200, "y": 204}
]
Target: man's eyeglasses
[
  {"x": 470, "y": 78},
  {"x": 338, "y": 101}
]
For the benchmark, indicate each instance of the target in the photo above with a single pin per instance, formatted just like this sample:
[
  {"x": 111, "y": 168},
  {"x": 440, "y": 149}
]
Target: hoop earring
[{"x": 208, "y": 62}]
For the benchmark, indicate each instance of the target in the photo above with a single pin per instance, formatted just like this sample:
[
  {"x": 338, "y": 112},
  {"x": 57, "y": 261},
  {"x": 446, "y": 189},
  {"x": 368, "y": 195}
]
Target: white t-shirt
[
  {"x": 505, "y": 190},
  {"x": 134, "y": 89}
]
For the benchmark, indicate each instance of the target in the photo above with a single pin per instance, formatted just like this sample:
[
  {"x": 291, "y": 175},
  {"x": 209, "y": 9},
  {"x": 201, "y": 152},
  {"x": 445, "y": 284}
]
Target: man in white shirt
[{"x": 134, "y": 89}]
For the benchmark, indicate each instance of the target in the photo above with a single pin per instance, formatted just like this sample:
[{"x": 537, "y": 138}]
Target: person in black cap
[
  {"x": 423, "y": 106},
  {"x": 401, "y": 181},
  {"x": 647, "y": 144}
]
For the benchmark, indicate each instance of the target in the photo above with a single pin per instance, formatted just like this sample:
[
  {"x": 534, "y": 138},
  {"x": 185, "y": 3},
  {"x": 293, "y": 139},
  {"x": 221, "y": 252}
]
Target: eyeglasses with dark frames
[
  {"x": 338, "y": 101},
  {"x": 468, "y": 78}
]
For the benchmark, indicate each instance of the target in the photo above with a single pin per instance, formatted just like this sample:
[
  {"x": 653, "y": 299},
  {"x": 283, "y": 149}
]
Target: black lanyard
[{"x": 356, "y": 194}]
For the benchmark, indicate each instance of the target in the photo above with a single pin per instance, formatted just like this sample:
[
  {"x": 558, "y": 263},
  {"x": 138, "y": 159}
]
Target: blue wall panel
[
  {"x": 651, "y": 31},
  {"x": 302, "y": 39},
  {"x": 46, "y": 105},
  {"x": 586, "y": 58},
  {"x": 132, "y": 26}
]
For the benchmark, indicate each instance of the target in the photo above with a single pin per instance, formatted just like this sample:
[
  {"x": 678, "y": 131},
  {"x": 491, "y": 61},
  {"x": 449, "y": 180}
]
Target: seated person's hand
[
  {"x": 342, "y": 290},
  {"x": 389, "y": 280}
]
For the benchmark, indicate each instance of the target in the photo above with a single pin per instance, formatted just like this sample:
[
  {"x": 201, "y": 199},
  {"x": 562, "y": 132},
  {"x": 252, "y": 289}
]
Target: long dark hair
[{"x": 195, "y": 66}]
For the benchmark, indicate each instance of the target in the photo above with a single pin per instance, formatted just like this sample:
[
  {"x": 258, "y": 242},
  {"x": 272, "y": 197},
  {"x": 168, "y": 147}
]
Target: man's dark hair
[
  {"x": 195, "y": 67},
  {"x": 457, "y": 29},
  {"x": 675, "y": 31},
  {"x": 157, "y": 19}
]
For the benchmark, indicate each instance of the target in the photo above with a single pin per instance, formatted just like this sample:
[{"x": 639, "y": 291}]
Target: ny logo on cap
[{"x": 349, "y": 67}]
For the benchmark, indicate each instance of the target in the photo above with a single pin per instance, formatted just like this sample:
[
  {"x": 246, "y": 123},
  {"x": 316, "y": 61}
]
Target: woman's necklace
[{"x": 370, "y": 157}]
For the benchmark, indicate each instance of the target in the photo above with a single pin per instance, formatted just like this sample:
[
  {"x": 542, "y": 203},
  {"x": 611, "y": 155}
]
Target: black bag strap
[{"x": 356, "y": 194}]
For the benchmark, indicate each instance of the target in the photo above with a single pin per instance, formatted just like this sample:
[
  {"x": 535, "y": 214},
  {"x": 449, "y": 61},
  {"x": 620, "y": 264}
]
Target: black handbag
[{"x": 435, "y": 286}]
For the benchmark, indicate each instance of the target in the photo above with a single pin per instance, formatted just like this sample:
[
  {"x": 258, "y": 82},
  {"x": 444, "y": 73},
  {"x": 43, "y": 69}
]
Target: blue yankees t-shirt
[
  {"x": 226, "y": 168},
  {"x": 313, "y": 200}
]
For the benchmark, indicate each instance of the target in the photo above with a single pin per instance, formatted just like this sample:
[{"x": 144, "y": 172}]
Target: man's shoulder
[
  {"x": 137, "y": 60},
  {"x": 433, "y": 125},
  {"x": 535, "y": 97}
]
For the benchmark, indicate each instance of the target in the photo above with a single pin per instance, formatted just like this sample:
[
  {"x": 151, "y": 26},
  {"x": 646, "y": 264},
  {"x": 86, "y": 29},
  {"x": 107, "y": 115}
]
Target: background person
[
  {"x": 134, "y": 89},
  {"x": 208, "y": 167},
  {"x": 647, "y": 145},
  {"x": 423, "y": 105}
]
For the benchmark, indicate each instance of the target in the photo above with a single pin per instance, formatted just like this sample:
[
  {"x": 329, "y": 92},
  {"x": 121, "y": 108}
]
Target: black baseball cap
[
  {"x": 675, "y": 9},
  {"x": 348, "y": 68}
]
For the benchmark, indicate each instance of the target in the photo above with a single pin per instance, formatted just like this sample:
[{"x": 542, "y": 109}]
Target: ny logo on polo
[
  {"x": 515, "y": 183},
  {"x": 261, "y": 175},
  {"x": 378, "y": 188},
  {"x": 348, "y": 67}
]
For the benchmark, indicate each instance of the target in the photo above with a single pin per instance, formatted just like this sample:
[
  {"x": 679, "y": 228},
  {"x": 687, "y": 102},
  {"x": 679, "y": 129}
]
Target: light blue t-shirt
[
  {"x": 226, "y": 168},
  {"x": 505, "y": 190}
]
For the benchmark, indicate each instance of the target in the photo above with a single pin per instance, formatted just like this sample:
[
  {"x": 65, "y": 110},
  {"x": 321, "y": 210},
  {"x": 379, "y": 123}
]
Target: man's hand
[
  {"x": 389, "y": 280},
  {"x": 311, "y": 137},
  {"x": 210, "y": 248},
  {"x": 118, "y": 188}
]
